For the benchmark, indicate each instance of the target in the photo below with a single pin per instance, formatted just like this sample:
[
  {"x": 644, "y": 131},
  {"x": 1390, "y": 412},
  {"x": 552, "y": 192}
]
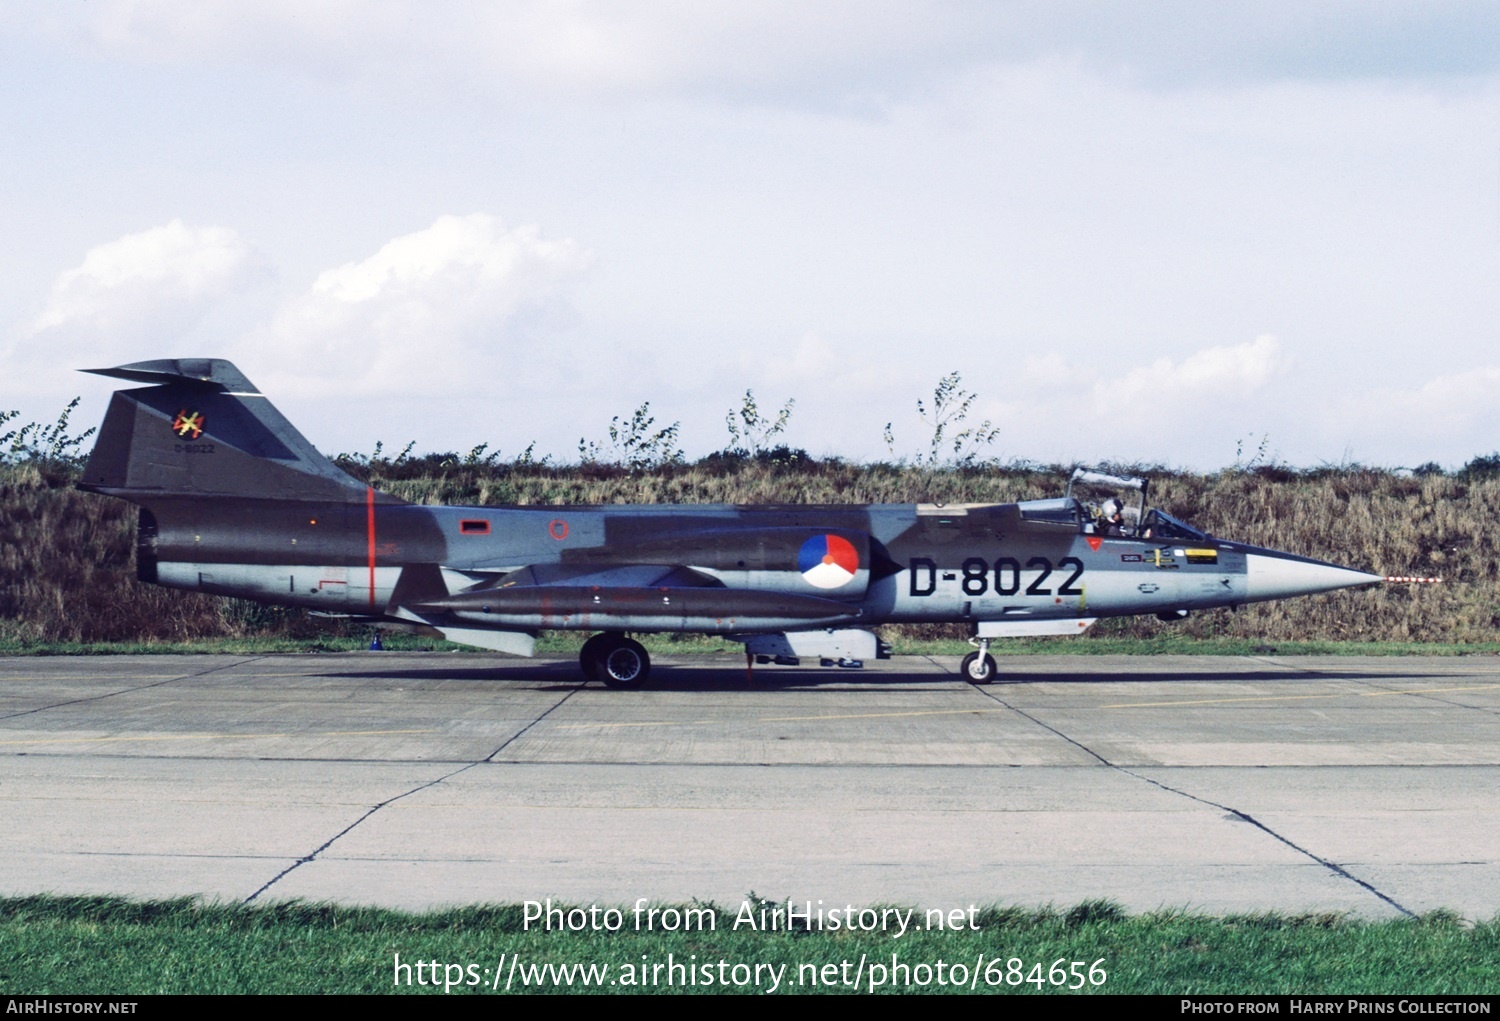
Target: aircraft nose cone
[{"x": 1270, "y": 575}]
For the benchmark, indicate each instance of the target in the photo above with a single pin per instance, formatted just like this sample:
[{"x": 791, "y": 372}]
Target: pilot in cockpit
[{"x": 1112, "y": 517}]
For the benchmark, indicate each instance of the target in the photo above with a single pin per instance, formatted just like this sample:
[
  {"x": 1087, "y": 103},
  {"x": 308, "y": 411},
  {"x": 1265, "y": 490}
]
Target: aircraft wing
[{"x": 635, "y": 597}]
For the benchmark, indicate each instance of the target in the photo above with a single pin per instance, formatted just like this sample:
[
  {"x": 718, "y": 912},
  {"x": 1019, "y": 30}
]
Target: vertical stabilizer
[{"x": 202, "y": 429}]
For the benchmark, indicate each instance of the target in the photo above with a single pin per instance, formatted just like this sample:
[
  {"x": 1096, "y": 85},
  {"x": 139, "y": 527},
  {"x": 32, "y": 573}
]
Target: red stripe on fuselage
[{"x": 370, "y": 539}]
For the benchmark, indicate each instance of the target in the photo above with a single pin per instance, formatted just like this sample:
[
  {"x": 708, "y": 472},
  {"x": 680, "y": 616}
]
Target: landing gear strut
[
  {"x": 978, "y": 667},
  {"x": 618, "y": 661}
]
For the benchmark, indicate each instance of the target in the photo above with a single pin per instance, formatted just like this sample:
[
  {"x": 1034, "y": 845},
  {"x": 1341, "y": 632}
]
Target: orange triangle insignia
[{"x": 1094, "y": 542}]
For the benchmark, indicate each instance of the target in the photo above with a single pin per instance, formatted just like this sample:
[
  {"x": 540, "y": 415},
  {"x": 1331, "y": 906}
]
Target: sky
[{"x": 1172, "y": 233}]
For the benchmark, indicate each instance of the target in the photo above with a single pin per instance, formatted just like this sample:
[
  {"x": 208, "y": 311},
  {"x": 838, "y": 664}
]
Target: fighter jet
[{"x": 234, "y": 501}]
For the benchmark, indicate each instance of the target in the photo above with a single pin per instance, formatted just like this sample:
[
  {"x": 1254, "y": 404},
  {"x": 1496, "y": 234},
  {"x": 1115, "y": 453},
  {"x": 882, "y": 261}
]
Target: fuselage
[{"x": 702, "y": 567}]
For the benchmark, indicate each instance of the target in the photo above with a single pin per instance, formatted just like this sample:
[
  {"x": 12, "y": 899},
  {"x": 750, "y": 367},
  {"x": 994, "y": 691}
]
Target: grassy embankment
[
  {"x": 67, "y": 582},
  {"x": 109, "y": 946}
]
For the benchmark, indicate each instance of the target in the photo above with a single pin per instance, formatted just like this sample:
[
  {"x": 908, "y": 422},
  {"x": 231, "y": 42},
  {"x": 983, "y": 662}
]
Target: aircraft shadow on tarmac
[
  {"x": 563, "y": 675},
  {"x": 1227, "y": 677}
]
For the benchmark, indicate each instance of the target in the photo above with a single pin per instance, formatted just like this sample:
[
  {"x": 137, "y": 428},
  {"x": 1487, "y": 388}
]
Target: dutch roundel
[{"x": 828, "y": 561}]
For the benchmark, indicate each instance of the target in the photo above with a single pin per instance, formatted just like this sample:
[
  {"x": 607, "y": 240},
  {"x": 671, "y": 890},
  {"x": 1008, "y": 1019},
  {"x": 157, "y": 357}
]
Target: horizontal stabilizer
[{"x": 212, "y": 371}]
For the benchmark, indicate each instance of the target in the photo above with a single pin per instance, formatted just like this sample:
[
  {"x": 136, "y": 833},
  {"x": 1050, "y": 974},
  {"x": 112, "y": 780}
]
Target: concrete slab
[{"x": 1225, "y": 784}]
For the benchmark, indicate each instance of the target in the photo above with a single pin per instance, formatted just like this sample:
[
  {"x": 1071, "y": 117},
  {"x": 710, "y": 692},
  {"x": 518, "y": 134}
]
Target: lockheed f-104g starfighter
[{"x": 234, "y": 501}]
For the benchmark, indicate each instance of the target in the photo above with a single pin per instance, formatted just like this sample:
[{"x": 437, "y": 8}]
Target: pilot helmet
[{"x": 1113, "y": 506}]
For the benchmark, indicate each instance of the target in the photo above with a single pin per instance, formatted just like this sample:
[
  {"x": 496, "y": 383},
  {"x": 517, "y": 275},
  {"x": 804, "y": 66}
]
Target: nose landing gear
[{"x": 978, "y": 667}]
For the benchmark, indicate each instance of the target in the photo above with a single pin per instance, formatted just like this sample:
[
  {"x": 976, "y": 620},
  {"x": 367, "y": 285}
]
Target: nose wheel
[
  {"x": 978, "y": 667},
  {"x": 618, "y": 661}
]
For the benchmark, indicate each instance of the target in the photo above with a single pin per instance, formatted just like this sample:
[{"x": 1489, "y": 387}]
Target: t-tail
[
  {"x": 234, "y": 501},
  {"x": 203, "y": 430}
]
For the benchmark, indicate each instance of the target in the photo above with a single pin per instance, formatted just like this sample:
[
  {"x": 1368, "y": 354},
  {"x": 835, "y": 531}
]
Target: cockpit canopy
[{"x": 1099, "y": 503}]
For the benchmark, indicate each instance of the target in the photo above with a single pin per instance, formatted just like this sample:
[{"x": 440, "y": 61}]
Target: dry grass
[{"x": 67, "y": 574}]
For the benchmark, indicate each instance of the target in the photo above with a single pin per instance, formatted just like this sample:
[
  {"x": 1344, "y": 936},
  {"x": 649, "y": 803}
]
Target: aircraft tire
[
  {"x": 977, "y": 669},
  {"x": 624, "y": 664},
  {"x": 592, "y": 653}
]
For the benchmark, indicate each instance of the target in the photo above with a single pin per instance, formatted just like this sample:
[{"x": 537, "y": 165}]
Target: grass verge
[{"x": 96, "y": 945}]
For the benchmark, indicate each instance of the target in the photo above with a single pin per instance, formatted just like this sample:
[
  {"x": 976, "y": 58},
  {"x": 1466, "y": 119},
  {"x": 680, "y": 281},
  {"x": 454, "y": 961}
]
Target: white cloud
[
  {"x": 1175, "y": 411},
  {"x": 140, "y": 275},
  {"x": 1447, "y": 418},
  {"x": 172, "y": 290},
  {"x": 467, "y": 309},
  {"x": 1215, "y": 376},
  {"x": 814, "y": 357},
  {"x": 1212, "y": 377},
  {"x": 449, "y": 309},
  {"x": 583, "y": 46},
  {"x": 152, "y": 286},
  {"x": 1458, "y": 401},
  {"x": 783, "y": 50}
]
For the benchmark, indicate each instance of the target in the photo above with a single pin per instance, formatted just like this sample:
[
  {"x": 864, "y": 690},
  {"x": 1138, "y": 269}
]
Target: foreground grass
[
  {"x": 567, "y": 643},
  {"x": 62, "y": 945}
]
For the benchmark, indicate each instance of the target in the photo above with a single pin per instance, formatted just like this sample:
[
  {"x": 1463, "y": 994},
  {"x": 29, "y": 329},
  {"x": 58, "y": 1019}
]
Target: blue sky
[{"x": 1149, "y": 233}]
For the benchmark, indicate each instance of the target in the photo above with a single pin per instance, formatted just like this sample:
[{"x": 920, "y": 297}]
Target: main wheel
[
  {"x": 592, "y": 653},
  {"x": 624, "y": 664},
  {"x": 978, "y": 668}
]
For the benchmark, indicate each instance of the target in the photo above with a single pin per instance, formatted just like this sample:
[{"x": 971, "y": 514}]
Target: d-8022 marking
[{"x": 1007, "y": 581}]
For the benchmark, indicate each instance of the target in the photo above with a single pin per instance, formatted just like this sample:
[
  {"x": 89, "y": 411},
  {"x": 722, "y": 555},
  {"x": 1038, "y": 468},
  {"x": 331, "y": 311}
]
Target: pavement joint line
[
  {"x": 517, "y": 735},
  {"x": 1268, "y": 661},
  {"x": 313, "y": 759},
  {"x": 369, "y": 812},
  {"x": 1430, "y": 693},
  {"x": 22, "y": 678},
  {"x": 138, "y": 687},
  {"x": 258, "y": 675},
  {"x": 405, "y": 794},
  {"x": 176, "y": 854},
  {"x": 1331, "y": 866},
  {"x": 384, "y": 761},
  {"x": 1021, "y": 712},
  {"x": 784, "y": 719},
  {"x": 1297, "y": 698},
  {"x": 212, "y": 737}
]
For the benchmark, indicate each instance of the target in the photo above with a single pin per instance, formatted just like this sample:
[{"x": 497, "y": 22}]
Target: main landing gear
[
  {"x": 618, "y": 661},
  {"x": 978, "y": 667}
]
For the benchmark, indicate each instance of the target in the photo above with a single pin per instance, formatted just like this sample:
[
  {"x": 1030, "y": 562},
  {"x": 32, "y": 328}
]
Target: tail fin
[{"x": 204, "y": 430}]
